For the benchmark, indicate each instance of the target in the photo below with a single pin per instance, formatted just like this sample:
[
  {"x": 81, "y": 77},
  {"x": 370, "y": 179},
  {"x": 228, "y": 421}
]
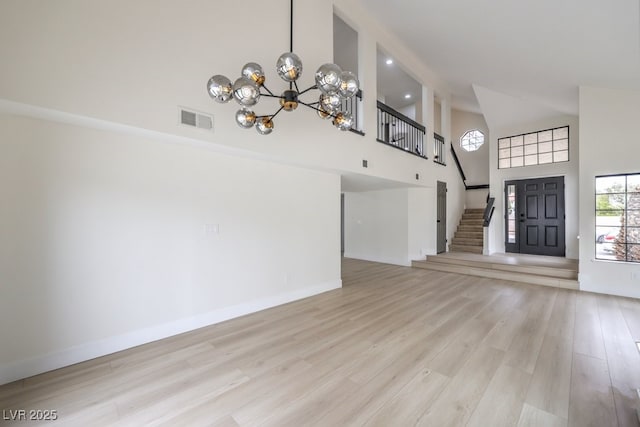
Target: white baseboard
[
  {"x": 382, "y": 259},
  {"x": 20, "y": 369}
]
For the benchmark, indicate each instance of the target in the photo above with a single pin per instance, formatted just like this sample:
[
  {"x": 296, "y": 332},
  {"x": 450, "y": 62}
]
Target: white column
[
  {"x": 367, "y": 59},
  {"x": 445, "y": 120},
  {"x": 427, "y": 119}
]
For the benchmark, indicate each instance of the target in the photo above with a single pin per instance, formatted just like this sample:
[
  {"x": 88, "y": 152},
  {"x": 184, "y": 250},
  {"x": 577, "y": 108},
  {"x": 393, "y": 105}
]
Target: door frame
[
  {"x": 518, "y": 199},
  {"x": 441, "y": 217}
]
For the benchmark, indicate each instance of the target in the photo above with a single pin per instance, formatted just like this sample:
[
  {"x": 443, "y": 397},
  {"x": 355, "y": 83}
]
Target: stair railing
[
  {"x": 399, "y": 131},
  {"x": 488, "y": 211}
]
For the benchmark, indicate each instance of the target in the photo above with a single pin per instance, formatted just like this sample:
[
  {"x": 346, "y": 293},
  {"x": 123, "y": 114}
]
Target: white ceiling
[
  {"x": 393, "y": 83},
  {"x": 536, "y": 52}
]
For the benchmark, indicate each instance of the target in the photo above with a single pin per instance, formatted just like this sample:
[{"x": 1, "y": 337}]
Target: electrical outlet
[{"x": 365, "y": 164}]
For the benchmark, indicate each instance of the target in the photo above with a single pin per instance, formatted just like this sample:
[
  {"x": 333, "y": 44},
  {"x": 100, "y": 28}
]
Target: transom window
[
  {"x": 618, "y": 217},
  {"x": 472, "y": 140},
  {"x": 535, "y": 148}
]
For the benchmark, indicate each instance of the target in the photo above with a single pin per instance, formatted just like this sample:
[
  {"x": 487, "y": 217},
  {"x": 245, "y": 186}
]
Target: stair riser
[
  {"x": 472, "y": 216},
  {"x": 497, "y": 274},
  {"x": 466, "y": 242},
  {"x": 462, "y": 248},
  {"x": 558, "y": 273},
  {"x": 473, "y": 223},
  {"x": 468, "y": 235},
  {"x": 468, "y": 229}
]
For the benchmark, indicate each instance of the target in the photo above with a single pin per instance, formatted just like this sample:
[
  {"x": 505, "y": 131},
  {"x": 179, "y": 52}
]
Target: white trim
[
  {"x": 384, "y": 260},
  {"x": 25, "y": 368},
  {"x": 56, "y": 116}
]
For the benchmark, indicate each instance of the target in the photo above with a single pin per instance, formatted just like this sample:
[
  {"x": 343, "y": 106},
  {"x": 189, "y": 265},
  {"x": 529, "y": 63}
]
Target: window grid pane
[
  {"x": 617, "y": 231},
  {"x": 542, "y": 147},
  {"x": 472, "y": 140}
]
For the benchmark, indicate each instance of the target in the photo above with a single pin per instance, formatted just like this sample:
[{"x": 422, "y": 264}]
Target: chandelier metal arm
[
  {"x": 307, "y": 89},
  {"x": 267, "y": 89},
  {"x": 271, "y": 95},
  {"x": 271, "y": 116},
  {"x": 313, "y": 107}
]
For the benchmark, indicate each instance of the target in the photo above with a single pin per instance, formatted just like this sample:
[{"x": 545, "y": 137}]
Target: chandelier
[{"x": 334, "y": 85}]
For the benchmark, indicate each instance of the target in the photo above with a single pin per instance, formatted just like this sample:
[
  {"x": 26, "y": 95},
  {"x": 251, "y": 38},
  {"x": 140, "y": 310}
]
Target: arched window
[{"x": 472, "y": 140}]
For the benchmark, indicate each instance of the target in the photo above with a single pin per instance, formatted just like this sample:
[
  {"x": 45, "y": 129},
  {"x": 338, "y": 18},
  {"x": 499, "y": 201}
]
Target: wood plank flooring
[{"x": 395, "y": 346}]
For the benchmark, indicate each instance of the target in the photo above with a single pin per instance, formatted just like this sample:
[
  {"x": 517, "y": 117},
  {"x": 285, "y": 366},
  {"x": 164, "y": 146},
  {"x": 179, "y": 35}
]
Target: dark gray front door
[
  {"x": 441, "y": 217},
  {"x": 535, "y": 223}
]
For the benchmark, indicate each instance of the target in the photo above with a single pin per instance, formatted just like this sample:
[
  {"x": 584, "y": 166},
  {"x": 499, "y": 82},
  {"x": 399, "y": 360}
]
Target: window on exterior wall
[
  {"x": 535, "y": 148},
  {"x": 472, "y": 140},
  {"x": 617, "y": 233}
]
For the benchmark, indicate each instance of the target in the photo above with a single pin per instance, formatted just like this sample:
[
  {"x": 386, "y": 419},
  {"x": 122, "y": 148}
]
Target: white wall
[
  {"x": 109, "y": 240},
  {"x": 421, "y": 215},
  {"x": 567, "y": 169},
  {"x": 409, "y": 111},
  {"x": 476, "y": 199},
  {"x": 399, "y": 225},
  {"x": 376, "y": 226},
  {"x": 474, "y": 163},
  {"x": 608, "y": 145},
  {"x": 113, "y": 213}
]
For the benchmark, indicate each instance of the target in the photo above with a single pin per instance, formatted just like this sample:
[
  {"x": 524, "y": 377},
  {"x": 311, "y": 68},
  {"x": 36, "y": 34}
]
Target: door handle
[
  {"x": 522, "y": 220},
  {"x": 438, "y": 220}
]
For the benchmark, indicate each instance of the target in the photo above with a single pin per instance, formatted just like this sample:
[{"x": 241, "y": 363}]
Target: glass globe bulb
[
  {"x": 245, "y": 118},
  {"x": 264, "y": 126},
  {"x": 254, "y": 72},
  {"x": 289, "y": 67},
  {"x": 220, "y": 88},
  {"x": 246, "y": 92},
  {"x": 322, "y": 113},
  {"x": 330, "y": 102},
  {"x": 328, "y": 78},
  {"x": 343, "y": 121},
  {"x": 348, "y": 85}
]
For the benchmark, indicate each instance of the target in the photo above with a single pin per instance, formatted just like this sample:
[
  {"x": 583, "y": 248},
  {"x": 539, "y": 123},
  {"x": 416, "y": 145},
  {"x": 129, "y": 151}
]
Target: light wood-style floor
[{"x": 394, "y": 347}]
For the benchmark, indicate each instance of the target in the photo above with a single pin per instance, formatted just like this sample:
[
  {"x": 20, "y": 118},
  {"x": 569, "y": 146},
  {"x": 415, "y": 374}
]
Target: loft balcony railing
[
  {"x": 439, "y": 150},
  {"x": 353, "y": 105},
  {"x": 399, "y": 131}
]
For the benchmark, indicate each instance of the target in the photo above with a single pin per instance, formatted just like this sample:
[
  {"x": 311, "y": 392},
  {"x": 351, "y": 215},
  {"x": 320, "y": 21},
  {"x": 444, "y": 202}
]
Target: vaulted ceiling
[{"x": 531, "y": 54}]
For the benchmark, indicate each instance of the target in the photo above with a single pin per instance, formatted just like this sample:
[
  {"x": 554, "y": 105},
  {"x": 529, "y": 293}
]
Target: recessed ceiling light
[
  {"x": 407, "y": 96},
  {"x": 389, "y": 61}
]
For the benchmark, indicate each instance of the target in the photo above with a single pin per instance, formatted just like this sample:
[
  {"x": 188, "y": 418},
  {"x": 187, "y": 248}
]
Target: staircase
[
  {"x": 469, "y": 235},
  {"x": 535, "y": 270}
]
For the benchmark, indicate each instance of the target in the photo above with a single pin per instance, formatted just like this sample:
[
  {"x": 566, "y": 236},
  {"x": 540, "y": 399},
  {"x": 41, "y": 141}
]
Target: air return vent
[{"x": 196, "y": 119}]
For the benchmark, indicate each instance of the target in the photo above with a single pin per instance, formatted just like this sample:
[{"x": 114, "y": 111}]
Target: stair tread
[
  {"x": 497, "y": 263},
  {"x": 517, "y": 276}
]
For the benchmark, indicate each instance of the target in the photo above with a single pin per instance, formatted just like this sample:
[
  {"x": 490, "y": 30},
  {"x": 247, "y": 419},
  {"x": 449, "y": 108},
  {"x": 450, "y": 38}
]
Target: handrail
[
  {"x": 455, "y": 158},
  {"x": 462, "y": 175},
  {"x": 488, "y": 211},
  {"x": 399, "y": 115}
]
